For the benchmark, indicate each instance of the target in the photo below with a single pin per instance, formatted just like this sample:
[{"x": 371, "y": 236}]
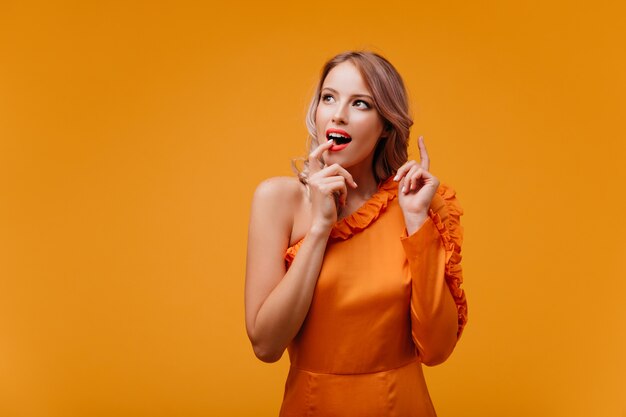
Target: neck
[
  {"x": 367, "y": 187},
  {"x": 363, "y": 175}
]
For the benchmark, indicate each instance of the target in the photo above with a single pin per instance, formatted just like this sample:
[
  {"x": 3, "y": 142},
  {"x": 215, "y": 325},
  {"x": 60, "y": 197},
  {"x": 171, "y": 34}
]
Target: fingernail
[
  {"x": 396, "y": 178},
  {"x": 404, "y": 189}
]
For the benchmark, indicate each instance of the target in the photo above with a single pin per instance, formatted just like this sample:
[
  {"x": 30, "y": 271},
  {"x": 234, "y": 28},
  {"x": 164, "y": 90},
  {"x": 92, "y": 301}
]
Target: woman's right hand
[{"x": 328, "y": 190}]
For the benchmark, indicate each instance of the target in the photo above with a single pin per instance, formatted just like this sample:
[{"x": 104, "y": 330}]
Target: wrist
[{"x": 414, "y": 221}]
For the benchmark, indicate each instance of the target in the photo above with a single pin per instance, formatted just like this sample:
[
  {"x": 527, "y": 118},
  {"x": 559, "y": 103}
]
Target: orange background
[{"x": 132, "y": 135}]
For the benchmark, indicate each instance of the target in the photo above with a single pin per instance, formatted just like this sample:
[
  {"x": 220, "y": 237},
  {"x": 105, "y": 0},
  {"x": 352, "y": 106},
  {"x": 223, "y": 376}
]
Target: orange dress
[{"x": 357, "y": 352}]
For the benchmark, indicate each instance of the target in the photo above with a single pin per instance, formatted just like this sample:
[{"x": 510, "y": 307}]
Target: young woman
[{"x": 354, "y": 267}]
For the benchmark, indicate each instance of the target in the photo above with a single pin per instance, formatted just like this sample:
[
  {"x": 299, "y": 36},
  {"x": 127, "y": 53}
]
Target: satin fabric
[{"x": 357, "y": 352}]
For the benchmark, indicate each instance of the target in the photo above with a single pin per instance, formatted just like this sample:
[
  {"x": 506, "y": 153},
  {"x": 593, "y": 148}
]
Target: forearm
[
  {"x": 282, "y": 313},
  {"x": 433, "y": 310}
]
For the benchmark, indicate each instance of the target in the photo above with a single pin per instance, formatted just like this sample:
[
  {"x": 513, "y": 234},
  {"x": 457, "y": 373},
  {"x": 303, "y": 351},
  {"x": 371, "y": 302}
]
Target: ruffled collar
[{"x": 367, "y": 213}]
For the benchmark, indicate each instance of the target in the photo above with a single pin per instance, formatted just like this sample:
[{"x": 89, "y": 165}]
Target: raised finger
[
  {"x": 315, "y": 164},
  {"x": 424, "y": 159}
]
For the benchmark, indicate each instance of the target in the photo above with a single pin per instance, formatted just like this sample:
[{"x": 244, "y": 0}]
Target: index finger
[
  {"x": 424, "y": 159},
  {"x": 314, "y": 157}
]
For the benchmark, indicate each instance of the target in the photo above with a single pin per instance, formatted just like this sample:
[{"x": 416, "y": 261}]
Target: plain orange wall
[{"x": 132, "y": 135}]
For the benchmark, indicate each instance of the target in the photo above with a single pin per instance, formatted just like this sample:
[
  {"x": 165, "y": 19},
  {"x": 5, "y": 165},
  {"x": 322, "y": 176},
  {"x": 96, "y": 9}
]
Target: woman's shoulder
[
  {"x": 279, "y": 201},
  {"x": 279, "y": 190},
  {"x": 280, "y": 197}
]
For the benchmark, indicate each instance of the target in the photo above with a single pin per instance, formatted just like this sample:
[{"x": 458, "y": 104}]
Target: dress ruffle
[
  {"x": 359, "y": 220},
  {"x": 367, "y": 213},
  {"x": 445, "y": 213},
  {"x": 449, "y": 226},
  {"x": 291, "y": 253}
]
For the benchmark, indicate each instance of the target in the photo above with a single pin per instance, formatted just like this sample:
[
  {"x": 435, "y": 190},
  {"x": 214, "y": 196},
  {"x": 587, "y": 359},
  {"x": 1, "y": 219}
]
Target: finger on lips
[
  {"x": 317, "y": 153},
  {"x": 332, "y": 169}
]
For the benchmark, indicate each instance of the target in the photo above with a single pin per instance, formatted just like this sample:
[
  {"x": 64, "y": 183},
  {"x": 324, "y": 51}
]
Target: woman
[{"x": 354, "y": 266}]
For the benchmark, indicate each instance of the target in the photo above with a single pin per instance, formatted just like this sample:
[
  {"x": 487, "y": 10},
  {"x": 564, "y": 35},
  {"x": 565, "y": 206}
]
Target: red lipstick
[{"x": 340, "y": 137}]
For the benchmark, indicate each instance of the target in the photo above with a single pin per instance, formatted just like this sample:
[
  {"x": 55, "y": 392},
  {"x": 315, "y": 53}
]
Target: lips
[{"x": 340, "y": 137}]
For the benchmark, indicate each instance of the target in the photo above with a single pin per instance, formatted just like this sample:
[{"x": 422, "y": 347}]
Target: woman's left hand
[{"x": 416, "y": 189}]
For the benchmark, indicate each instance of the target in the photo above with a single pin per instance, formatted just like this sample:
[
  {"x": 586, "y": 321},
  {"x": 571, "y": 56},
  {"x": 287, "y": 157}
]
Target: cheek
[
  {"x": 321, "y": 119},
  {"x": 369, "y": 124},
  {"x": 321, "y": 113},
  {"x": 318, "y": 116}
]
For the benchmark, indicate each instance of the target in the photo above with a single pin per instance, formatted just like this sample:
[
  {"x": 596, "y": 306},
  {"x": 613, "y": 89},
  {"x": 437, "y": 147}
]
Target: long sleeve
[{"x": 438, "y": 304}]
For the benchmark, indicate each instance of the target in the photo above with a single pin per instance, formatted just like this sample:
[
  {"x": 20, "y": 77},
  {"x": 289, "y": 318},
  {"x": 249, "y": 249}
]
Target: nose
[{"x": 341, "y": 114}]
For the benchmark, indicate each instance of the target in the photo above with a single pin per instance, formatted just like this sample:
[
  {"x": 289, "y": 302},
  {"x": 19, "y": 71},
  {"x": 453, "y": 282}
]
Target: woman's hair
[{"x": 391, "y": 102}]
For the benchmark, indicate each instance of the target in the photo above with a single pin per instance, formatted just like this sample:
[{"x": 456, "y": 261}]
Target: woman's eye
[
  {"x": 362, "y": 104},
  {"x": 327, "y": 98}
]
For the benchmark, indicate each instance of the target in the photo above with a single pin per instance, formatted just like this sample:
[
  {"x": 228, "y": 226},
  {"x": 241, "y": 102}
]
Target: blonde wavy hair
[{"x": 391, "y": 102}]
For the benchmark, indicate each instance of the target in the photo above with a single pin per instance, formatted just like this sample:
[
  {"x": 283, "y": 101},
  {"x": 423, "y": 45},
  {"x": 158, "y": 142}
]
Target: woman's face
[{"x": 346, "y": 112}]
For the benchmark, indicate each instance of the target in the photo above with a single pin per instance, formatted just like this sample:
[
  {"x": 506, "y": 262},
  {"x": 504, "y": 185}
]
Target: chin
[{"x": 336, "y": 159}]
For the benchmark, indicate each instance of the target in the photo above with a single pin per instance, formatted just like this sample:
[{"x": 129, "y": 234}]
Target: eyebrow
[{"x": 352, "y": 96}]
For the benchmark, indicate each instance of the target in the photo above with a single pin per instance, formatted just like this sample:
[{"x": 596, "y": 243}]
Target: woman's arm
[
  {"x": 434, "y": 261},
  {"x": 277, "y": 301},
  {"x": 433, "y": 250}
]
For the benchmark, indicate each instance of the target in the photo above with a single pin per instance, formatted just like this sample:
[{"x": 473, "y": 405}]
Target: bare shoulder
[
  {"x": 279, "y": 190},
  {"x": 279, "y": 198},
  {"x": 276, "y": 205}
]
